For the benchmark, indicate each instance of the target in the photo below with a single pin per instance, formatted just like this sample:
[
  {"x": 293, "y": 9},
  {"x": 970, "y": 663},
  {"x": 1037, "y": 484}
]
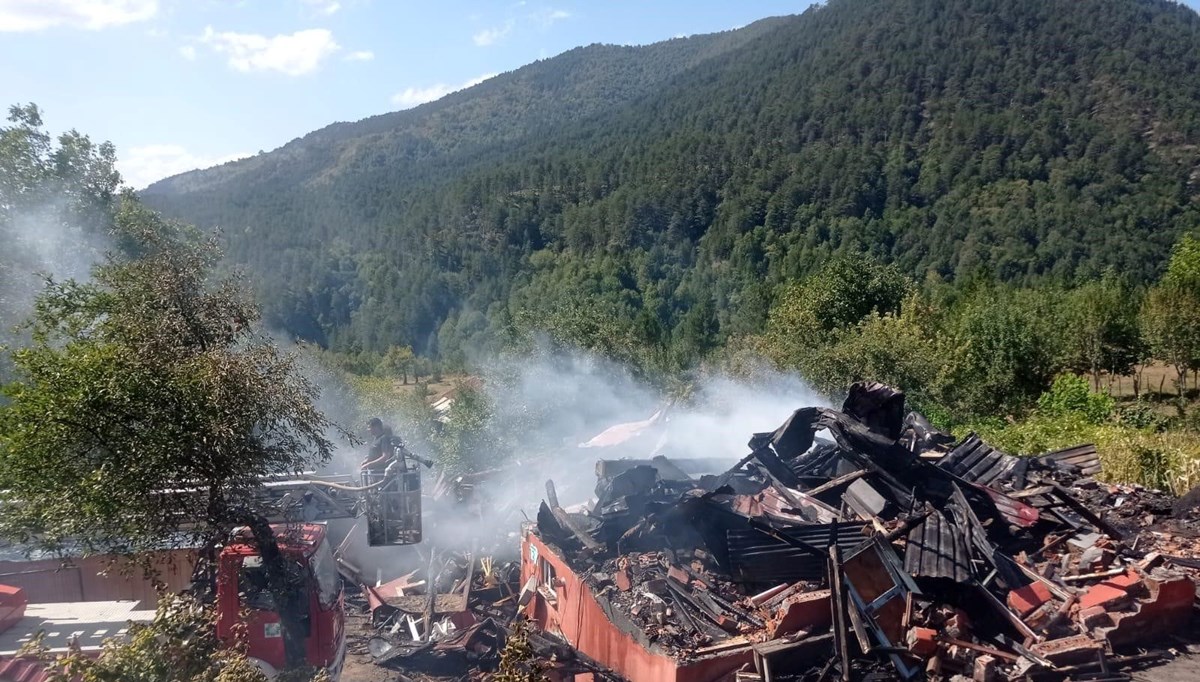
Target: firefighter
[
  {"x": 381, "y": 450},
  {"x": 387, "y": 451}
]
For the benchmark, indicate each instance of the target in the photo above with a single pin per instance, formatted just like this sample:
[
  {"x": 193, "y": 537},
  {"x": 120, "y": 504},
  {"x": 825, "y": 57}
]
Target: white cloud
[
  {"x": 360, "y": 56},
  {"x": 188, "y": 52},
  {"x": 547, "y": 16},
  {"x": 489, "y": 36},
  {"x": 323, "y": 6},
  {"x": 411, "y": 97},
  {"x": 37, "y": 15},
  {"x": 293, "y": 54},
  {"x": 141, "y": 166}
]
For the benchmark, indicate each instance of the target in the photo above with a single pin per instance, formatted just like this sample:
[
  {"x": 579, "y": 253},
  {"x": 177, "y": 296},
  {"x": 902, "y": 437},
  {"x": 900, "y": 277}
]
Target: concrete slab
[{"x": 88, "y": 622}]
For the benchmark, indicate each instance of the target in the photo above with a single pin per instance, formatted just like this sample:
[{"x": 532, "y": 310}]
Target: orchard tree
[
  {"x": 846, "y": 290},
  {"x": 398, "y": 361},
  {"x": 1101, "y": 330},
  {"x": 1002, "y": 348},
  {"x": 1169, "y": 316},
  {"x": 153, "y": 377}
]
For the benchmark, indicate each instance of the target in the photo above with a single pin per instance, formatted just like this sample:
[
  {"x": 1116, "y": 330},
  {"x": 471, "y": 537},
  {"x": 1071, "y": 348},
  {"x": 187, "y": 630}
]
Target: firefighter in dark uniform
[
  {"x": 380, "y": 450},
  {"x": 385, "y": 449},
  {"x": 391, "y": 469}
]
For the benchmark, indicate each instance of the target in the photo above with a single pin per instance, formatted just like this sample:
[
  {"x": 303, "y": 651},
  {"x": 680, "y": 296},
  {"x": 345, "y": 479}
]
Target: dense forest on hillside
[{"x": 1020, "y": 140}]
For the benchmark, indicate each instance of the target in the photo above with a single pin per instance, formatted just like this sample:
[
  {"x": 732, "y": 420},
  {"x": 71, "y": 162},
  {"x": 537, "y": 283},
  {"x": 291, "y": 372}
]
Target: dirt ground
[
  {"x": 1183, "y": 669},
  {"x": 359, "y": 667}
]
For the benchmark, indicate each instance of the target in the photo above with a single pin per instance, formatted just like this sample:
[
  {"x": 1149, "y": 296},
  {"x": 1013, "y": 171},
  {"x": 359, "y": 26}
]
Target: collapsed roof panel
[
  {"x": 700, "y": 564},
  {"x": 758, "y": 557},
  {"x": 936, "y": 549}
]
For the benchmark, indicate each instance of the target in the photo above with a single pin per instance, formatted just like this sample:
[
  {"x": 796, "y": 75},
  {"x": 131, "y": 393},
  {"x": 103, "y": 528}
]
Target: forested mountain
[{"x": 672, "y": 188}]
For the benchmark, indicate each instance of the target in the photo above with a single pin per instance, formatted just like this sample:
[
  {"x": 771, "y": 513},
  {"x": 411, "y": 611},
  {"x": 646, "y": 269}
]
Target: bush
[
  {"x": 1140, "y": 415},
  {"x": 1071, "y": 394}
]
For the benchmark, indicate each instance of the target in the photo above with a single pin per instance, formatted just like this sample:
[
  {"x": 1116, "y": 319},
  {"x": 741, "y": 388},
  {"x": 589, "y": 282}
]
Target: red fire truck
[
  {"x": 241, "y": 589},
  {"x": 392, "y": 510},
  {"x": 241, "y": 583}
]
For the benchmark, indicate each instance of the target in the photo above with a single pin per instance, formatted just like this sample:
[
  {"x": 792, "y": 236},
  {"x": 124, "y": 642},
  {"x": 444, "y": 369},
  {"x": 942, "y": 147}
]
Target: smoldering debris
[
  {"x": 887, "y": 551},
  {"x": 921, "y": 557}
]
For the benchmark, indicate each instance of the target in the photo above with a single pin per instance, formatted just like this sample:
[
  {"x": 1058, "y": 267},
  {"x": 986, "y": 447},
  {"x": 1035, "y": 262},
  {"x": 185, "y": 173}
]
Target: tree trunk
[{"x": 287, "y": 589}]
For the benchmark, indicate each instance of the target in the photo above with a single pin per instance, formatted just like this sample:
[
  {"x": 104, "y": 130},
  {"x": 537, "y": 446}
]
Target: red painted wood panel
[
  {"x": 577, "y": 617},
  {"x": 49, "y": 580}
]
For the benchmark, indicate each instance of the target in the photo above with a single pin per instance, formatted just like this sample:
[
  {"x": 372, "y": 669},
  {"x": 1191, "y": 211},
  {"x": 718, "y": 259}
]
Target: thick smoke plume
[{"x": 552, "y": 419}]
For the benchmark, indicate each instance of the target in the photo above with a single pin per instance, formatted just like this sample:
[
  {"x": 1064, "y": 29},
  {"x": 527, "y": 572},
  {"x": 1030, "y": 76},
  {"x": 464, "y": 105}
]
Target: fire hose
[
  {"x": 350, "y": 488},
  {"x": 388, "y": 474}
]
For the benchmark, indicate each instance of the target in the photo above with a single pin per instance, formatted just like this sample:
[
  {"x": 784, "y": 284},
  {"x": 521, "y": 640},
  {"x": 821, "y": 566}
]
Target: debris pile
[
  {"x": 452, "y": 619},
  {"x": 888, "y": 551}
]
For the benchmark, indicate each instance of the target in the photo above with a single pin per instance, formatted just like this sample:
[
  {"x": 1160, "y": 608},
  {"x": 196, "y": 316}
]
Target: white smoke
[
  {"x": 546, "y": 404},
  {"x": 41, "y": 243}
]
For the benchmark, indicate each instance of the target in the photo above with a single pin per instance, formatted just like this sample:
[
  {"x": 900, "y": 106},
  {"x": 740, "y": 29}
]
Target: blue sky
[{"x": 181, "y": 84}]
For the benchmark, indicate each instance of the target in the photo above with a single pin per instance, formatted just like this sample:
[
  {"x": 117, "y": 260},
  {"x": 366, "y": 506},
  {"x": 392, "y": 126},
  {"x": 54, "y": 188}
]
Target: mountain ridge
[
  {"x": 1022, "y": 140},
  {"x": 704, "y": 47}
]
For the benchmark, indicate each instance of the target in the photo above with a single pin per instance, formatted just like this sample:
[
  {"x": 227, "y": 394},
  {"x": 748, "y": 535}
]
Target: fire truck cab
[{"x": 241, "y": 589}]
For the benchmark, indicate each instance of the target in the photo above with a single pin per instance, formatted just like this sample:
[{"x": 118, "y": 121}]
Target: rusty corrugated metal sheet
[
  {"x": 49, "y": 581},
  {"x": 756, "y": 557},
  {"x": 1084, "y": 457},
  {"x": 977, "y": 462},
  {"x": 937, "y": 549}
]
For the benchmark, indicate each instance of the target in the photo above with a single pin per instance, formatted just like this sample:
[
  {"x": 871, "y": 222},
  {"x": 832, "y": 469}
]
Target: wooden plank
[
  {"x": 1016, "y": 622},
  {"x": 838, "y": 604},
  {"x": 1078, "y": 507},
  {"x": 860, "y": 631},
  {"x": 1030, "y": 492},
  {"x": 840, "y": 480},
  {"x": 427, "y": 620},
  {"x": 1054, "y": 587},
  {"x": 731, "y": 645},
  {"x": 980, "y": 648}
]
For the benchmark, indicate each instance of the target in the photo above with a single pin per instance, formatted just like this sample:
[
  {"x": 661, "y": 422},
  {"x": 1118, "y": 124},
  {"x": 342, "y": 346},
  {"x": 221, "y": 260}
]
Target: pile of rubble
[
  {"x": 453, "y": 626},
  {"x": 889, "y": 551},
  {"x": 452, "y": 619}
]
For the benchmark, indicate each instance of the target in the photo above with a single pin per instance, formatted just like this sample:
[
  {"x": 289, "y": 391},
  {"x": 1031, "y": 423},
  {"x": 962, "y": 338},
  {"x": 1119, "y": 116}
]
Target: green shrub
[{"x": 1071, "y": 394}]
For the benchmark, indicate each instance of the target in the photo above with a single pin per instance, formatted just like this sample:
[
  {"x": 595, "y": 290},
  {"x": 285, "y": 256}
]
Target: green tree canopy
[
  {"x": 1169, "y": 316},
  {"x": 843, "y": 292},
  {"x": 153, "y": 378},
  {"x": 1101, "y": 327}
]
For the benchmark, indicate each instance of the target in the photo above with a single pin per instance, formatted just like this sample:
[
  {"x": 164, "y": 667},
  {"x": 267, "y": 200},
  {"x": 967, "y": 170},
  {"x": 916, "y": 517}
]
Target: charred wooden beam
[{"x": 564, "y": 519}]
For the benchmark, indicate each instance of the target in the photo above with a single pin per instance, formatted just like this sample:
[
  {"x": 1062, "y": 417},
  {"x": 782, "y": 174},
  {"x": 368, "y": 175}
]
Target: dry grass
[
  {"x": 1153, "y": 382},
  {"x": 436, "y": 389},
  {"x": 1167, "y": 460}
]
